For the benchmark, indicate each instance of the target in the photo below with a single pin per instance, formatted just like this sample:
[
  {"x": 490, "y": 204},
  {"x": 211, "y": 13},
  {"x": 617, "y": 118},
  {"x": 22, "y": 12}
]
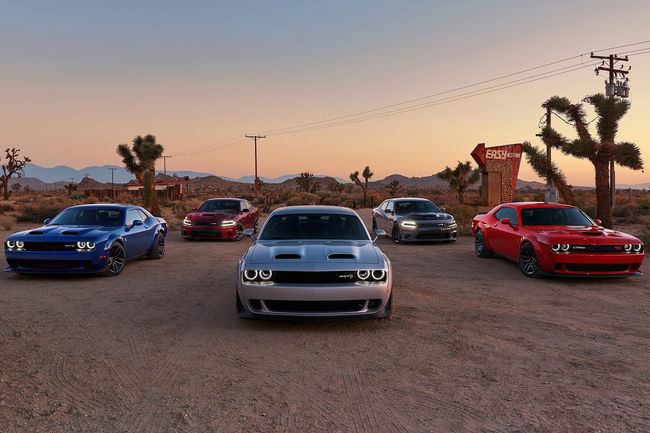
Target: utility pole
[
  {"x": 550, "y": 195},
  {"x": 112, "y": 169},
  {"x": 164, "y": 157},
  {"x": 257, "y": 180},
  {"x": 612, "y": 89}
]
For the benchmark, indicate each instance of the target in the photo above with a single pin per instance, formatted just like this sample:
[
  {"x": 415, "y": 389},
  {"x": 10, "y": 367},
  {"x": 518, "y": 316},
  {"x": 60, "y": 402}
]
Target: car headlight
[
  {"x": 378, "y": 274},
  {"x": 555, "y": 248},
  {"x": 265, "y": 274},
  {"x": 81, "y": 245},
  {"x": 228, "y": 223},
  {"x": 90, "y": 245},
  {"x": 187, "y": 222},
  {"x": 409, "y": 224},
  {"x": 260, "y": 276},
  {"x": 20, "y": 244},
  {"x": 627, "y": 248},
  {"x": 370, "y": 275},
  {"x": 565, "y": 247},
  {"x": 10, "y": 244},
  {"x": 363, "y": 275},
  {"x": 637, "y": 248},
  {"x": 452, "y": 224}
]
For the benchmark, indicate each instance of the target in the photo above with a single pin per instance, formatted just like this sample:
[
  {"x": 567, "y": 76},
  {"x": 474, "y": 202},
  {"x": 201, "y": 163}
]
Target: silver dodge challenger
[{"x": 314, "y": 262}]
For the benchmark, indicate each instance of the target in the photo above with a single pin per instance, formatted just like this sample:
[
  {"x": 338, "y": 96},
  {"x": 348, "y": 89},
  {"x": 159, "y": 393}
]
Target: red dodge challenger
[
  {"x": 555, "y": 239},
  {"x": 220, "y": 218}
]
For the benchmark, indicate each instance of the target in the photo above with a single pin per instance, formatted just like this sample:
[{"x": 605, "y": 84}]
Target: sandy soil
[{"x": 472, "y": 346}]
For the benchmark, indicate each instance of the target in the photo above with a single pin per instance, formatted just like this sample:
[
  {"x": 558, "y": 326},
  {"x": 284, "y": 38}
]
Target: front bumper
[
  {"x": 591, "y": 264},
  {"x": 423, "y": 234},
  {"x": 208, "y": 232},
  {"x": 370, "y": 300},
  {"x": 62, "y": 262}
]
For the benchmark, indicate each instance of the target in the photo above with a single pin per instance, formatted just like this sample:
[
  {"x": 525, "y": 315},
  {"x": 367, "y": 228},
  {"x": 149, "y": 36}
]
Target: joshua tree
[
  {"x": 367, "y": 174},
  {"x": 70, "y": 187},
  {"x": 538, "y": 161},
  {"x": 306, "y": 182},
  {"x": 393, "y": 187},
  {"x": 599, "y": 152},
  {"x": 14, "y": 165},
  {"x": 140, "y": 161},
  {"x": 460, "y": 178},
  {"x": 16, "y": 187}
]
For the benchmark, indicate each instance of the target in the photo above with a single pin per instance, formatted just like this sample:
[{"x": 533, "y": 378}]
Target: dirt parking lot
[{"x": 472, "y": 346}]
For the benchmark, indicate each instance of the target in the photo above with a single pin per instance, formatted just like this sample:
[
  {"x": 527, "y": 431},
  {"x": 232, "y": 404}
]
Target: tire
[
  {"x": 528, "y": 262},
  {"x": 158, "y": 250},
  {"x": 480, "y": 246},
  {"x": 239, "y": 234},
  {"x": 115, "y": 261},
  {"x": 396, "y": 234}
]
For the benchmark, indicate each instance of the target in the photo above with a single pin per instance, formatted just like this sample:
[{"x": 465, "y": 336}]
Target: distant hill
[
  {"x": 98, "y": 173},
  {"x": 280, "y": 179}
]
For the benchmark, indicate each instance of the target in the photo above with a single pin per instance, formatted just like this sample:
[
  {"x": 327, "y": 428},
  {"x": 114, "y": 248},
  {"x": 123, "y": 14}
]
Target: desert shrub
[
  {"x": 463, "y": 214},
  {"x": 39, "y": 211},
  {"x": 539, "y": 196},
  {"x": 300, "y": 198},
  {"x": 589, "y": 210},
  {"x": 7, "y": 222},
  {"x": 622, "y": 211},
  {"x": 77, "y": 195},
  {"x": 6, "y": 207},
  {"x": 106, "y": 199}
]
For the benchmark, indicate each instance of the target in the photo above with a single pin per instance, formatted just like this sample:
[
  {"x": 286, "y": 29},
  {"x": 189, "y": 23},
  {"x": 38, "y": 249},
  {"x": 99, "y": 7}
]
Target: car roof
[
  {"x": 224, "y": 198},
  {"x": 536, "y": 204},
  {"x": 116, "y": 206},
  {"x": 314, "y": 209},
  {"x": 410, "y": 199}
]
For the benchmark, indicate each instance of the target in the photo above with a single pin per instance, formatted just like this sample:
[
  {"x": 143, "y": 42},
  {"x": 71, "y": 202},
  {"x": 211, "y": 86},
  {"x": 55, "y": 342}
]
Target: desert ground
[{"x": 472, "y": 346}]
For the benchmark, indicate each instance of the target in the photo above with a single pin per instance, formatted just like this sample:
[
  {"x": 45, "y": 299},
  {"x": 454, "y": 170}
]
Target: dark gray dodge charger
[{"x": 414, "y": 219}]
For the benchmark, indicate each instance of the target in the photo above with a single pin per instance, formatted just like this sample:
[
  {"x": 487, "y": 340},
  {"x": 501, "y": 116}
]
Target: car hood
[
  {"x": 210, "y": 216},
  {"x": 55, "y": 233},
  {"x": 583, "y": 235},
  {"x": 284, "y": 252},
  {"x": 428, "y": 216}
]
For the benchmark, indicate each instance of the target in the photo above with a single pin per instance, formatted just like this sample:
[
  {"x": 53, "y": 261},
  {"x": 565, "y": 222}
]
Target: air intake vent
[
  {"x": 70, "y": 233},
  {"x": 592, "y": 233},
  {"x": 288, "y": 256},
  {"x": 35, "y": 233},
  {"x": 340, "y": 256}
]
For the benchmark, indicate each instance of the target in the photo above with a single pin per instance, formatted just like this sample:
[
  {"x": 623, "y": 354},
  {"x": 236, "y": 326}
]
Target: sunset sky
[{"x": 79, "y": 78}]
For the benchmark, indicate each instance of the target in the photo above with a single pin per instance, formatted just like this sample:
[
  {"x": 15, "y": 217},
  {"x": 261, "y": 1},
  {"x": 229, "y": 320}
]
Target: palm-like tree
[
  {"x": 460, "y": 178},
  {"x": 600, "y": 152},
  {"x": 537, "y": 160},
  {"x": 141, "y": 161},
  {"x": 367, "y": 174}
]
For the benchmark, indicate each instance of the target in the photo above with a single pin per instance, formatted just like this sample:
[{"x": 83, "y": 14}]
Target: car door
[
  {"x": 150, "y": 226},
  {"x": 389, "y": 217},
  {"x": 135, "y": 236},
  {"x": 506, "y": 237},
  {"x": 245, "y": 214}
]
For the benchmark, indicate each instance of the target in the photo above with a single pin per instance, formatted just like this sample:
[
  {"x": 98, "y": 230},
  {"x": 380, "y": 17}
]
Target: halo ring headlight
[
  {"x": 378, "y": 274},
  {"x": 90, "y": 245},
  {"x": 565, "y": 247},
  {"x": 627, "y": 247},
  {"x": 637, "y": 248},
  {"x": 363, "y": 274},
  {"x": 20, "y": 244},
  {"x": 81, "y": 245},
  {"x": 555, "y": 248},
  {"x": 11, "y": 244},
  {"x": 266, "y": 274},
  {"x": 250, "y": 274}
]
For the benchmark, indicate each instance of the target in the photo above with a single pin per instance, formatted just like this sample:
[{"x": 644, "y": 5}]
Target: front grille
[
  {"x": 585, "y": 267},
  {"x": 50, "y": 246},
  {"x": 205, "y": 223},
  {"x": 323, "y": 277},
  {"x": 51, "y": 264},
  {"x": 433, "y": 225},
  {"x": 318, "y": 306},
  {"x": 206, "y": 233},
  {"x": 444, "y": 235},
  {"x": 596, "y": 248}
]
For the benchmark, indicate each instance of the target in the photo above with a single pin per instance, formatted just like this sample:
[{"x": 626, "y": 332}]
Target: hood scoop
[
  {"x": 288, "y": 256},
  {"x": 592, "y": 233},
  {"x": 70, "y": 233},
  {"x": 35, "y": 233},
  {"x": 341, "y": 256}
]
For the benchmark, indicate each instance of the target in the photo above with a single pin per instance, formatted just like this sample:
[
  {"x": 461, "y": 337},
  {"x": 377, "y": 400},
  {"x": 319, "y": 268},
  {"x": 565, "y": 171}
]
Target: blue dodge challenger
[{"x": 88, "y": 239}]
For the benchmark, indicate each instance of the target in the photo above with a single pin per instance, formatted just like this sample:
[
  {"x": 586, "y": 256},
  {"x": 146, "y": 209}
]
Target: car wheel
[
  {"x": 115, "y": 260},
  {"x": 480, "y": 247},
  {"x": 528, "y": 262},
  {"x": 158, "y": 250},
  {"x": 396, "y": 234},
  {"x": 239, "y": 234}
]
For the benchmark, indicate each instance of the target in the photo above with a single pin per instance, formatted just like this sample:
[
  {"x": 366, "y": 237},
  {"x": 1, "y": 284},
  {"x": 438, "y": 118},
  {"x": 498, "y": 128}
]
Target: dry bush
[
  {"x": 7, "y": 222},
  {"x": 303, "y": 198}
]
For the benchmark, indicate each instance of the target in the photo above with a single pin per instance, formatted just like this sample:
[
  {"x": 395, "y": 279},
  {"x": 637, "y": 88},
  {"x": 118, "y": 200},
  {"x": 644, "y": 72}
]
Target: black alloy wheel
[
  {"x": 239, "y": 234},
  {"x": 115, "y": 261},
  {"x": 396, "y": 234},
  {"x": 528, "y": 262},
  {"x": 480, "y": 247},
  {"x": 158, "y": 250}
]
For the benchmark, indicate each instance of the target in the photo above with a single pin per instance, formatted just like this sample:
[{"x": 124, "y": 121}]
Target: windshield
[
  {"x": 314, "y": 226},
  {"x": 231, "y": 206},
  {"x": 554, "y": 216},
  {"x": 415, "y": 206},
  {"x": 89, "y": 217}
]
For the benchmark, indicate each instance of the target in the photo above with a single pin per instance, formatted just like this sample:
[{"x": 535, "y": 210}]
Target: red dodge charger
[
  {"x": 220, "y": 218},
  {"x": 555, "y": 239}
]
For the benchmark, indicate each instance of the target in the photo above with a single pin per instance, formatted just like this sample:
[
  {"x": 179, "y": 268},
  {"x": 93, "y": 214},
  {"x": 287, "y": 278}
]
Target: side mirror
[
  {"x": 193, "y": 209},
  {"x": 443, "y": 210},
  {"x": 596, "y": 220},
  {"x": 505, "y": 221},
  {"x": 244, "y": 211},
  {"x": 250, "y": 233},
  {"x": 137, "y": 222},
  {"x": 47, "y": 221},
  {"x": 378, "y": 232}
]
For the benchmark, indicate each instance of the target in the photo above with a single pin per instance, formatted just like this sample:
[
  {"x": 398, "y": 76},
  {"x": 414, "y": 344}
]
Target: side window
[
  {"x": 507, "y": 212},
  {"x": 132, "y": 215},
  {"x": 383, "y": 205},
  {"x": 143, "y": 216},
  {"x": 242, "y": 205},
  {"x": 390, "y": 206}
]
